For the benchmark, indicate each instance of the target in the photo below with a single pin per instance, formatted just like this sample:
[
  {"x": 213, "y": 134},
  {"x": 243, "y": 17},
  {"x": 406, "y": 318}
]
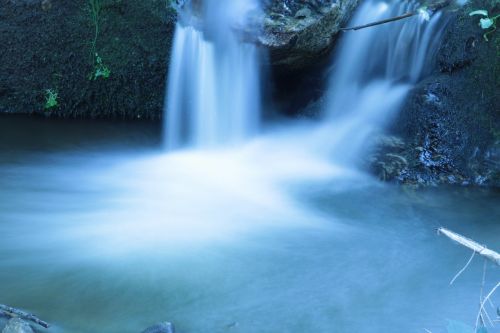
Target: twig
[
  {"x": 483, "y": 282},
  {"x": 470, "y": 244},
  {"x": 13, "y": 312},
  {"x": 463, "y": 269},
  {"x": 488, "y": 317},
  {"x": 431, "y": 7},
  {"x": 392, "y": 19},
  {"x": 481, "y": 308}
]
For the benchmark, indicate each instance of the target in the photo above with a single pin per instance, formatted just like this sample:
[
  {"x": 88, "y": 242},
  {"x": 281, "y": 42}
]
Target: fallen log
[
  {"x": 13, "y": 312},
  {"x": 472, "y": 245}
]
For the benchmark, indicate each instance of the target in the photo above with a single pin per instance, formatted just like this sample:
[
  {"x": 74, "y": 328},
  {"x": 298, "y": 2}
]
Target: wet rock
[
  {"x": 17, "y": 325},
  {"x": 164, "y": 327},
  {"x": 303, "y": 14},
  {"x": 451, "y": 121},
  {"x": 456, "y": 56},
  {"x": 46, "y": 5},
  {"x": 297, "y": 33},
  {"x": 387, "y": 160}
]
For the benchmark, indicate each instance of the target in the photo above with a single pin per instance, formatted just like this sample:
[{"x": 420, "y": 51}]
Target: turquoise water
[{"x": 101, "y": 232}]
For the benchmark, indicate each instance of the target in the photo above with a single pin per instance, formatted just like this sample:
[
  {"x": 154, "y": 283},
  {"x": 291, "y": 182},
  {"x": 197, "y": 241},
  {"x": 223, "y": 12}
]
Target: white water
[
  {"x": 214, "y": 100},
  {"x": 373, "y": 71},
  {"x": 213, "y": 93}
]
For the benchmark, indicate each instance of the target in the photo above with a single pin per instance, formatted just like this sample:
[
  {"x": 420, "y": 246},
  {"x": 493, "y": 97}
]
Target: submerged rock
[
  {"x": 298, "y": 32},
  {"x": 17, "y": 325},
  {"x": 164, "y": 327}
]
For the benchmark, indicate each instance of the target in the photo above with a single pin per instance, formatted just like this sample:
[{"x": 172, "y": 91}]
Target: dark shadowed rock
[
  {"x": 449, "y": 128},
  {"x": 451, "y": 121},
  {"x": 47, "y": 44},
  {"x": 165, "y": 327}
]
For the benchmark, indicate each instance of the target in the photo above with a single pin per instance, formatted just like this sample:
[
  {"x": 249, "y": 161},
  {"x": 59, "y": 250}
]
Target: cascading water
[
  {"x": 213, "y": 91},
  {"x": 268, "y": 237},
  {"x": 374, "y": 70}
]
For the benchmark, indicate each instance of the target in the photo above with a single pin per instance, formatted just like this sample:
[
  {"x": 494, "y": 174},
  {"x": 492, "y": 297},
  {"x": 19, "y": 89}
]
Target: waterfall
[
  {"x": 213, "y": 95},
  {"x": 374, "y": 70}
]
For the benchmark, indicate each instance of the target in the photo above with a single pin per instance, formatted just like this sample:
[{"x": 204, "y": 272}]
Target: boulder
[
  {"x": 17, "y": 325},
  {"x": 298, "y": 32}
]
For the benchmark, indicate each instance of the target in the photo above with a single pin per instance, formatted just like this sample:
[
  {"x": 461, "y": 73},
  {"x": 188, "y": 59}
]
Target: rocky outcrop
[
  {"x": 298, "y": 32},
  {"x": 49, "y": 49},
  {"x": 450, "y": 126}
]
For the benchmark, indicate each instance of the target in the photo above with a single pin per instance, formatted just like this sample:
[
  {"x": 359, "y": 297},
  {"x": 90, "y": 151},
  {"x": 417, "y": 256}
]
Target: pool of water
[{"x": 102, "y": 232}]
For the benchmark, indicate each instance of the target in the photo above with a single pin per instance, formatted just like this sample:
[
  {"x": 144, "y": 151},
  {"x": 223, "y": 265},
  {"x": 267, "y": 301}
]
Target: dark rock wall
[
  {"x": 47, "y": 44},
  {"x": 451, "y": 121}
]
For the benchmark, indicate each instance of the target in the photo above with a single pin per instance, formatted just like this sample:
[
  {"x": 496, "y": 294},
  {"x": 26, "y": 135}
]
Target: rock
[
  {"x": 387, "y": 159},
  {"x": 17, "y": 325},
  {"x": 164, "y": 327},
  {"x": 297, "y": 33},
  {"x": 58, "y": 55},
  {"x": 302, "y": 14},
  {"x": 451, "y": 121}
]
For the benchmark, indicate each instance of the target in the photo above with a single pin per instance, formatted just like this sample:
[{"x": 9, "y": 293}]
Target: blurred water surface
[{"x": 102, "y": 232}]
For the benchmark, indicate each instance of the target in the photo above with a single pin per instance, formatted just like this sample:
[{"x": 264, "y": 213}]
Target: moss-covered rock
[{"x": 49, "y": 45}]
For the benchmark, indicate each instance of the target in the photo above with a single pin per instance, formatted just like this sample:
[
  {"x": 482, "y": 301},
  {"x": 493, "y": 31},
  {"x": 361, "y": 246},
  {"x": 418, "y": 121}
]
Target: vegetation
[
  {"x": 487, "y": 22},
  {"x": 100, "y": 69},
  {"x": 51, "y": 97}
]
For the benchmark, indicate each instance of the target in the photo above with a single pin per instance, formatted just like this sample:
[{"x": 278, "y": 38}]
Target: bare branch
[
  {"x": 392, "y": 19},
  {"x": 470, "y": 244}
]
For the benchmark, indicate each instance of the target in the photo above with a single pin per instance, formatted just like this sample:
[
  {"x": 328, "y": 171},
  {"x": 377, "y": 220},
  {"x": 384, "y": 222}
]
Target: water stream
[
  {"x": 373, "y": 71},
  {"x": 213, "y": 94},
  {"x": 103, "y": 231}
]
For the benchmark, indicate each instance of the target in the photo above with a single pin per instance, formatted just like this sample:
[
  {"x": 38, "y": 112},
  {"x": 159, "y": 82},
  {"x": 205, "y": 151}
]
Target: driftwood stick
[
  {"x": 472, "y": 245},
  {"x": 13, "y": 312},
  {"x": 392, "y": 19}
]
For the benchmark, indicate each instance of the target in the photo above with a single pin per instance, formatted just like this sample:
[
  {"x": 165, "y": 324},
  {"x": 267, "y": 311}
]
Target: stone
[
  {"x": 300, "y": 33},
  {"x": 17, "y": 325},
  {"x": 164, "y": 327},
  {"x": 303, "y": 13}
]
